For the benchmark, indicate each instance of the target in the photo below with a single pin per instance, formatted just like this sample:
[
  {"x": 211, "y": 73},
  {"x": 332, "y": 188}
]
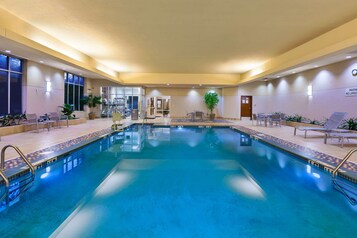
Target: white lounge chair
[
  {"x": 340, "y": 136},
  {"x": 332, "y": 123}
]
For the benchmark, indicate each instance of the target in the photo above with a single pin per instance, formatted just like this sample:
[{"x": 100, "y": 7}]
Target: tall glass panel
[
  {"x": 15, "y": 93},
  {"x": 15, "y": 65},
  {"x": 81, "y": 94},
  {"x": 70, "y": 94},
  {"x": 3, "y": 61},
  {"x": 66, "y": 93},
  {"x": 3, "y": 93},
  {"x": 74, "y": 85},
  {"x": 76, "y": 97}
]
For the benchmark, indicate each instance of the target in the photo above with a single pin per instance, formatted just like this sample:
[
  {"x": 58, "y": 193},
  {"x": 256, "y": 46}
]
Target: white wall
[
  {"x": 289, "y": 94},
  {"x": 36, "y": 100},
  {"x": 184, "y": 100}
]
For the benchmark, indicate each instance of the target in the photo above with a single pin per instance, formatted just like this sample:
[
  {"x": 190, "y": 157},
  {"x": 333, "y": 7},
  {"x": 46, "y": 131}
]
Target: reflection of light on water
[
  {"x": 245, "y": 186},
  {"x": 193, "y": 141},
  {"x": 316, "y": 175},
  {"x": 114, "y": 183},
  {"x": 154, "y": 143},
  {"x": 79, "y": 222},
  {"x": 308, "y": 169},
  {"x": 45, "y": 175},
  {"x": 282, "y": 161},
  {"x": 225, "y": 164}
]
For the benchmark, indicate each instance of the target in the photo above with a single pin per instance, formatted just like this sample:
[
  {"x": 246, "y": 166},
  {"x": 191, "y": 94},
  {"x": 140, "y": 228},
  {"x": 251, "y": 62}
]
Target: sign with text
[{"x": 351, "y": 92}]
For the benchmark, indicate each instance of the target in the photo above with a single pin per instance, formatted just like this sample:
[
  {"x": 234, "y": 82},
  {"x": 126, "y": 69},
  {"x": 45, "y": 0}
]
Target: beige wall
[
  {"x": 184, "y": 100},
  {"x": 289, "y": 94},
  {"x": 36, "y": 99}
]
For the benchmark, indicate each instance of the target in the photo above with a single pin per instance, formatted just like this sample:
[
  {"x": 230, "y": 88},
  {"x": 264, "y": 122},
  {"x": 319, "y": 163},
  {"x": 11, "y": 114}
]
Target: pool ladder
[
  {"x": 6, "y": 179},
  {"x": 344, "y": 189}
]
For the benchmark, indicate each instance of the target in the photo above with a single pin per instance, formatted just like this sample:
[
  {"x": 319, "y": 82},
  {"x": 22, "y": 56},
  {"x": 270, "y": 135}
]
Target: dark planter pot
[
  {"x": 91, "y": 116},
  {"x": 212, "y": 116}
]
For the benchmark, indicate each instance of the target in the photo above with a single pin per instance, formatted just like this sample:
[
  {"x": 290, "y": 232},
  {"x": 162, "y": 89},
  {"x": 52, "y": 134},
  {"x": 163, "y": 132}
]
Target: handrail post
[
  {"x": 334, "y": 172},
  {"x": 2, "y": 164}
]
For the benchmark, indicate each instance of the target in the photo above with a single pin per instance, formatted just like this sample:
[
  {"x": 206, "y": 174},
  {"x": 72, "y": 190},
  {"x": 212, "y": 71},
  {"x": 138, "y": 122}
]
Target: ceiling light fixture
[
  {"x": 278, "y": 76},
  {"x": 316, "y": 66},
  {"x": 41, "y": 61},
  {"x": 8, "y": 51},
  {"x": 348, "y": 57},
  {"x": 168, "y": 84}
]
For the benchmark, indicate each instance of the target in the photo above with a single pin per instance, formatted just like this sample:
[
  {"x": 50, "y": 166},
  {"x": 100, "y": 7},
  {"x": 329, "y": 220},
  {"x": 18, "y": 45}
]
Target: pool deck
[{"x": 45, "y": 144}]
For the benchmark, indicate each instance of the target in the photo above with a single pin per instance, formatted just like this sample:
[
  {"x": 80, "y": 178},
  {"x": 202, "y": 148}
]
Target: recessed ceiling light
[
  {"x": 278, "y": 76},
  {"x": 41, "y": 61},
  {"x": 8, "y": 51},
  {"x": 200, "y": 85},
  {"x": 348, "y": 57},
  {"x": 168, "y": 84},
  {"x": 293, "y": 72},
  {"x": 316, "y": 66},
  {"x": 193, "y": 87}
]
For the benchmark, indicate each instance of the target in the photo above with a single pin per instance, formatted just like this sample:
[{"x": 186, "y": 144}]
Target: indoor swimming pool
[{"x": 179, "y": 182}]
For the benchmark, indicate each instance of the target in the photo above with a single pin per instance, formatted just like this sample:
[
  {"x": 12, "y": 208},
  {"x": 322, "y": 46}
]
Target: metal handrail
[
  {"x": 2, "y": 162},
  {"x": 334, "y": 172},
  {"x": 351, "y": 200}
]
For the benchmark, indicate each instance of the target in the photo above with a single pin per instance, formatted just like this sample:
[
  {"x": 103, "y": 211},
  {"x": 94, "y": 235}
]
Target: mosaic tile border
[
  {"x": 316, "y": 158},
  {"x": 324, "y": 161},
  {"x": 16, "y": 167}
]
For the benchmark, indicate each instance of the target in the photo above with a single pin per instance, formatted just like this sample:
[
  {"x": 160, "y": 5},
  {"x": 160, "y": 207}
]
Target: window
[
  {"x": 73, "y": 90},
  {"x": 10, "y": 85}
]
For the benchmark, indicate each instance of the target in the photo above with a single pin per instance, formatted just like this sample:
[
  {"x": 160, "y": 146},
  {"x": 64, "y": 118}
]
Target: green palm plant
[
  {"x": 91, "y": 101},
  {"x": 211, "y": 100},
  {"x": 67, "y": 110}
]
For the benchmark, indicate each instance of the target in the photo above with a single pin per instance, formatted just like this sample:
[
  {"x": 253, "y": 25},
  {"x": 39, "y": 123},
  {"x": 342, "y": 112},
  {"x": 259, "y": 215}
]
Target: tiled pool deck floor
[{"x": 38, "y": 147}]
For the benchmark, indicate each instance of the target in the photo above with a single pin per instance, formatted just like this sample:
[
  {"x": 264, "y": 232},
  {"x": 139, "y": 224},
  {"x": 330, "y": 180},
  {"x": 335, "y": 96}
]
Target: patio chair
[
  {"x": 331, "y": 125},
  {"x": 190, "y": 116},
  {"x": 54, "y": 117},
  {"x": 275, "y": 118},
  {"x": 261, "y": 118},
  {"x": 199, "y": 115},
  {"x": 31, "y": 119}
]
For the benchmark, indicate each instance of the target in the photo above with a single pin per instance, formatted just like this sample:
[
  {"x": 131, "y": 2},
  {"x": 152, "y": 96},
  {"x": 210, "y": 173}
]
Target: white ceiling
[{"x": 183, "y": 36}]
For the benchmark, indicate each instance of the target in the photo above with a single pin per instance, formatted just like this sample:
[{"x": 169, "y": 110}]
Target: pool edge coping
[{"x": 97, "y": 135}]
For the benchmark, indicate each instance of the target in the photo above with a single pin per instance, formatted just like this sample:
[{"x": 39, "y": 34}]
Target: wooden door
[{"x": 246, "y": 106}]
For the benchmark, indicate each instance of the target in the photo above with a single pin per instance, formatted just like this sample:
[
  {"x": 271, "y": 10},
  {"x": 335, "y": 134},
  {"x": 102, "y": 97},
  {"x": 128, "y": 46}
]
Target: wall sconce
[
  {"x": 48, "y": 87},
  {"x": 354, "y": 72},
  {"x": 309, "y": 90}
]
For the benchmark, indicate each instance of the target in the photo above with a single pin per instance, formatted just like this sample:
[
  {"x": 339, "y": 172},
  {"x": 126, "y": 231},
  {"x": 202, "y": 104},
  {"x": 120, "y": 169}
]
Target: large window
[
  {"x": 73, "y": 90},
  {"x": 10, "y": 85}
]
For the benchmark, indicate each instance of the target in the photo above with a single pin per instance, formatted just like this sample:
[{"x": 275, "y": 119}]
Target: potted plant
[
  {"x": 67, "y": 110},
  {"x": 91, "y": 101},
  {"x": 211, "y": 100}
]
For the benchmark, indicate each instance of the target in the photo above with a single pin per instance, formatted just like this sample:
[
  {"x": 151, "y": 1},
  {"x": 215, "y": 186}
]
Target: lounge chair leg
[
  {"x": 295, "y": 131},
  {"x": 305, "y": 134}
]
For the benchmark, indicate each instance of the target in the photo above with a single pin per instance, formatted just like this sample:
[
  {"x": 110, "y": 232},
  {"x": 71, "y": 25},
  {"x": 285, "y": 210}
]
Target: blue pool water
[{"x": 180, "y": 182}]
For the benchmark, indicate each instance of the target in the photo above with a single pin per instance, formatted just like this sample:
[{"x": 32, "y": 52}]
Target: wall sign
[
  {"x": 351, "y": 92},
  {"x": 354, "y": 72}
]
